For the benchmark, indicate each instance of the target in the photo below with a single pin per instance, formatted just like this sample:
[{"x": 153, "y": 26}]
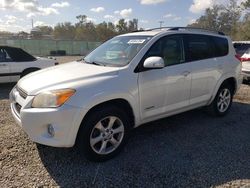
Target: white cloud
[
  {"x": 168, "y": 16},
  {"x": 143, "y": 21},
  {"x": 39, "y": 23},
  {"x": 199, "y": 6},
  {"x": 117, "y": 12},
  {"x": 47, "y": 11},
  {"x": 125, "y": 13},
  {"x": 30, "y": 15},
  {"x": 10, "y": 19},
  {"x": 98, "y": 9},
  {"x": 108, "y": 16},
  {"x": 31, "y": 6},
  {"x": 90, "y": 19},
  {"x": 61, "y": 5},
  {"x": 13, "y": 24},
  {"x": 150, "y": 2},
  {"x": 172, "y": 16},
  {"x": 191, "y": 20},
  {"x": 177, "y": 18}
]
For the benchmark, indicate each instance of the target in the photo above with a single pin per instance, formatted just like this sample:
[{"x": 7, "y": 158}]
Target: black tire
[
  {"x": 87, "y": 129},
  {"x": 214, "y": 107},
  {"x": 28, "y": 71}
]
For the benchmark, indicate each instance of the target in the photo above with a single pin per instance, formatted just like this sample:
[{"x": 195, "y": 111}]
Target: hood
[{"x": 75, "y": 72}]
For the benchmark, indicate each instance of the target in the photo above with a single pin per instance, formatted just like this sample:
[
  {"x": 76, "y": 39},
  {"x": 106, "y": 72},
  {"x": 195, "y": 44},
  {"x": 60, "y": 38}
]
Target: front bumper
[{"x": 35, "y": 121}]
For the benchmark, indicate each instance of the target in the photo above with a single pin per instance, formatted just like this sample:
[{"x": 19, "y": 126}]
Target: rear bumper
[{"x": 246, "y": 74}]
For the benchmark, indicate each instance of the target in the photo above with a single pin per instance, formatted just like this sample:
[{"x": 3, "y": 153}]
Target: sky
[{"x": 16, "y": 15}]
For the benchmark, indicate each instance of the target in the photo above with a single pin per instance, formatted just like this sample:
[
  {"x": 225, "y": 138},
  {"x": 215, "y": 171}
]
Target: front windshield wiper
[{"x": 94, "y": 63}]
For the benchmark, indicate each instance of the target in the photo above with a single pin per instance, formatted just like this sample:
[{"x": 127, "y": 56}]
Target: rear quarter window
[{"x": 221, "y": 46}]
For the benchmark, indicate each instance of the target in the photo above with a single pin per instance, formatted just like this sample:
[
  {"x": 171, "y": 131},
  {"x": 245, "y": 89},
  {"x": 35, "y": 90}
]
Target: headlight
[{"x": 52, "y": 99}]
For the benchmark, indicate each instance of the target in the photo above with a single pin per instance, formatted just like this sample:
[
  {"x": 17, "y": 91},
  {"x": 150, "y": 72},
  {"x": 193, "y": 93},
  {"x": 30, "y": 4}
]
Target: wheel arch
[
  {"x": 121, "y": 102},
  {"x": 230, "y": 80}
]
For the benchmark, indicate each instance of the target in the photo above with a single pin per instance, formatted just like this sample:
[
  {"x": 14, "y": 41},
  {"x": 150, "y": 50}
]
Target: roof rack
[{"x": 184, "y": 28}]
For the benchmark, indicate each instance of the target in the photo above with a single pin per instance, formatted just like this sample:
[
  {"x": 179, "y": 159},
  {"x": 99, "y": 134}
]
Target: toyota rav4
[{"x": 127, "y": 81}]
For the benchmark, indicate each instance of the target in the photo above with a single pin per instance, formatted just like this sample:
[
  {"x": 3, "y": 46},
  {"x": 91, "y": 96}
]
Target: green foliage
[
  {"x": 228, "y": 19},
  {"x": 87, "y": 30}
]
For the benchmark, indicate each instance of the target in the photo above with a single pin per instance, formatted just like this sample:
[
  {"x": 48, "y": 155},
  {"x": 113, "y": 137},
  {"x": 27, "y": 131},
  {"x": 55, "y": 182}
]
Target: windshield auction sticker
[{"x": 136, "y": 41}]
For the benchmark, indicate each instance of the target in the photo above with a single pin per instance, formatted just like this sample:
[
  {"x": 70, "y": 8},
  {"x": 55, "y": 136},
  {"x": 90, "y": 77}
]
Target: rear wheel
[
  {"x": 222, "y": 101},
  {"x": 103, "y": 134}
]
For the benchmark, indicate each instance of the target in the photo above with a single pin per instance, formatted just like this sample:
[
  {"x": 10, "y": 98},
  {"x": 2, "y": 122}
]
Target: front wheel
[
  {"x": 103, "y": 134},
  {"x": 222, "y": 101}
]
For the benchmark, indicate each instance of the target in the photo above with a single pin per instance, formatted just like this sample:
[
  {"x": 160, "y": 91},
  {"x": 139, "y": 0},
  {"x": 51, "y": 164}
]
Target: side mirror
[{"x": 154, "y": 62}]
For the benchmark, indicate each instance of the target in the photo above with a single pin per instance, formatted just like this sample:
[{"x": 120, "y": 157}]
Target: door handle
[
  {"x": 3, "y": 65},
  {"x": 185, "y": 73}
]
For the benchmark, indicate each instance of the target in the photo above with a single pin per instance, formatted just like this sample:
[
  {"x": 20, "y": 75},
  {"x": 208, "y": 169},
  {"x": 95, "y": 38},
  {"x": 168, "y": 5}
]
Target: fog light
[{"x": 51, "y": 130}]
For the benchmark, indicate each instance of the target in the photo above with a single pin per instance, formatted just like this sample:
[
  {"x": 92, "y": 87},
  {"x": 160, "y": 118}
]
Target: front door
[{"x": 165, "y": 90}]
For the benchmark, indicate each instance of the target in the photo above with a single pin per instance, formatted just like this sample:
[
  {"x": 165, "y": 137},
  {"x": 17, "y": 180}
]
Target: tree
[
  {"x": 246, "y": 4},
  {"x": 45, "y": 30},
  {"x": 210, "y": 20},
  {"x": 133, "y": 25},
  {"x": 82, "y": 20},
  {"x": 222, "y": 18},
  {"x": 64, "y": 31},
  {"x": 122, "y": 26}
]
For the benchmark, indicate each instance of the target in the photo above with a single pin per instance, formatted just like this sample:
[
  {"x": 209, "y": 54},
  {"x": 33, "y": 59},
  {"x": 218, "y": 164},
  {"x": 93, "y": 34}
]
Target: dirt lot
[{"x": 192, "y": 149}]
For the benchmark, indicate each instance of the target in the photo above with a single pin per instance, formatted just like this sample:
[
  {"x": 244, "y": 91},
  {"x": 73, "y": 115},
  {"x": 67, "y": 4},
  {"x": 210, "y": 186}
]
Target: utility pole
[
  {"x": 32, "y": 25},
  {"x": 161, "y": 22}
]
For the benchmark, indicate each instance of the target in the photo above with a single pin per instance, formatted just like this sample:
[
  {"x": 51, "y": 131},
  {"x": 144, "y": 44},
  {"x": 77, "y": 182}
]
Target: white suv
[{"x": 127, "y": 81}]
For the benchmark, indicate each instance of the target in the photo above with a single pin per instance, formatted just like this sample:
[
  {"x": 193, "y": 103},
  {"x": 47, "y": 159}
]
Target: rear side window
[
  {"x": 221, "y": 46},
  {"x": 198, "y": 47}
]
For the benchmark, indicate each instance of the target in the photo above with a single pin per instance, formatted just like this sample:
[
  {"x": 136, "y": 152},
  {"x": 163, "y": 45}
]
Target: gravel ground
[{"x": 192, "y": 149}]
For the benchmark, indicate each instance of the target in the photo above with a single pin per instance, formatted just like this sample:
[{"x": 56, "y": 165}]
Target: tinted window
[
  {"x": 198, "y": 47},
  {"x": 169, "y": 48},
  {"x": 18, "y": 55},
  {"x": 221, "y": 46},
  {"x": 241, "y": 49},
  {"x": 4, "y": 56}
]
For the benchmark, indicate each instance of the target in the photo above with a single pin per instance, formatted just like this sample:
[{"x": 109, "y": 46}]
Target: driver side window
[{"x": 170, "y": 48}]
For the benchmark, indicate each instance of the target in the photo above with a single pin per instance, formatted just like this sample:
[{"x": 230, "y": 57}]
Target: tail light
[
  {"x": 242, "y": 58},
  {"x": 238, "y": 57}
]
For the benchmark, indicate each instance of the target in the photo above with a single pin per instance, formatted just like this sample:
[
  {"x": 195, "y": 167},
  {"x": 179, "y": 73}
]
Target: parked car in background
[
  {"x": 16, "y": 63},
  {"x": 129, "y": 80},
  {"x": 242, "y": 49}
]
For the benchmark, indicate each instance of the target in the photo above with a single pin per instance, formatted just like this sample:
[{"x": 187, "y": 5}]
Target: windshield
[{"x": 118, "y": 51}]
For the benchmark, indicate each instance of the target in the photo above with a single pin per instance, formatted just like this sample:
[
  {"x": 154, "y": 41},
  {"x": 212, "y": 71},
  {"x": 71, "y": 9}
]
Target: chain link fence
[{"x": 45, "y": 47}]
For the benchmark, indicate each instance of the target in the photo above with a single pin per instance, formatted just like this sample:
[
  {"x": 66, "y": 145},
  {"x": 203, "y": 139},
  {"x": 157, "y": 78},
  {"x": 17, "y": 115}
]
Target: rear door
[
  {"x": 4, "y": 67},
  {"x": 206, "y": 67}
]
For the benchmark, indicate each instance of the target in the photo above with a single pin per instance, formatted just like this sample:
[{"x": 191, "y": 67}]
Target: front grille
[
  {"x": 21, "y": 92},
  {"x": 18, "y": 108}
]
